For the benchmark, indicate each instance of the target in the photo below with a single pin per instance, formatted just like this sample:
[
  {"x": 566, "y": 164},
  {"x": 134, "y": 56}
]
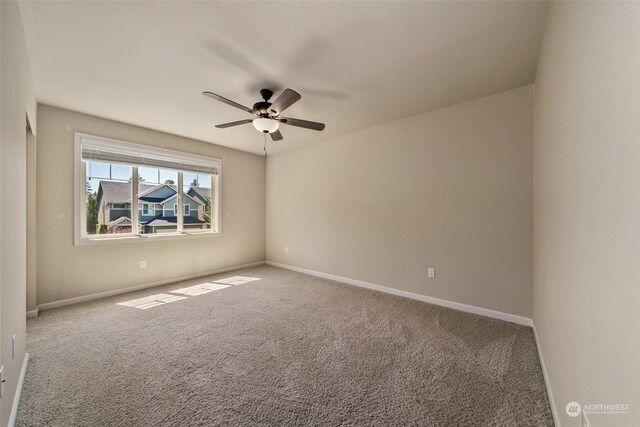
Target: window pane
[
  {"x": 199, "y": 198},
  {"x": 168, "y": 176},
  {"x": 108, "y": 200},
  {"x": 189, "y": 179},
  {"x": 120, "y": 172},
  {"x": 157, "y": 193},
  {"x": 95, "y": 172},
  {"x": 98, "y": 170},
  {"x": 149, "y": 175}
]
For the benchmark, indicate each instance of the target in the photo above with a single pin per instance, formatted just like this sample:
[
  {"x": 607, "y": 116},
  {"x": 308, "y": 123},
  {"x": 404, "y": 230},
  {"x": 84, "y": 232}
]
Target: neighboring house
[
  {"x": 200, "y": 193},
  {"x": 157, "y": 207}
]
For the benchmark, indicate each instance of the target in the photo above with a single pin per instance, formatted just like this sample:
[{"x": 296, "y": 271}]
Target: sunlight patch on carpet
[
  {"x": 202, "y": 288},
  {"x": 237, "y": 280},
  {"x": 151, "y": 301}
]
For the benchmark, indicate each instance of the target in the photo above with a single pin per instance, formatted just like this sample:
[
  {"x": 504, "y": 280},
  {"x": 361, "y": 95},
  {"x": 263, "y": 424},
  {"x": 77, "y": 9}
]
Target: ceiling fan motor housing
[{"x": 262, "y": 108}]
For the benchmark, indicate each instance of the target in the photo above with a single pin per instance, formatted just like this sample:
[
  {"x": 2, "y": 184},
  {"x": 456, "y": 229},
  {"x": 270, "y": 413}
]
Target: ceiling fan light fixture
[{"x": 265, "y": 125}]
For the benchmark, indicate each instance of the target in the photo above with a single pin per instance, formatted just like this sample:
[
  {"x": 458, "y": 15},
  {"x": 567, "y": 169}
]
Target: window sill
[{"x": 143, "y": 238}]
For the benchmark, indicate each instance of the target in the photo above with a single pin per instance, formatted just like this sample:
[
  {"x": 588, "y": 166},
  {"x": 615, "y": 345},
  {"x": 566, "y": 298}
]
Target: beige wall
[
  {"x": 587, "y": 206},
  {"x": 451, "y": 189},
  {"x": 17, "y": 101},
  {"x": 66, "y": 271}
]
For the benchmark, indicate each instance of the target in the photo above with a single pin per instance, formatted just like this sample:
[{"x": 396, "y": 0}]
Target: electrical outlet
[
  {"x": 13, "y": 346},
  {"x": 143, "y": 263},
  {"x": 431, "y": 273},
  {"x": 286, "y": 249}
]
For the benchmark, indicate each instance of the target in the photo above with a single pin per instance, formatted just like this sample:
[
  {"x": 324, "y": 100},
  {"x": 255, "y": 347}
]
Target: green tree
[
  {"x": 92, "y": 210},
  {"x": 206, "y": 215},
  {"x": 170, "y": 182}
]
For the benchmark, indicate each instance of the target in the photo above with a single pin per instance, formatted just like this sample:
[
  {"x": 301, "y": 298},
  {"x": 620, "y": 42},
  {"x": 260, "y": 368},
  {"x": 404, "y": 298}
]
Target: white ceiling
[{"x": 356, "y": 64}]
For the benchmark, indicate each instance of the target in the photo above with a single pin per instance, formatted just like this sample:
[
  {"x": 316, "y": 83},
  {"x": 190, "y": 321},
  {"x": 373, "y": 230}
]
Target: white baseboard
[
  {"x": 32, "y": 313},
  {"x": 554, "y": 412},
  {"x": 16, "y": 398},
  {"x": 104, "y": 294},
  {"x": 520, "y": 320}
]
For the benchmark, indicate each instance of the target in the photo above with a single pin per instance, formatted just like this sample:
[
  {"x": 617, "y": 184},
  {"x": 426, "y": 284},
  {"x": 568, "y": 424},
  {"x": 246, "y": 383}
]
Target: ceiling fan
[{"x": 268, "y": 114}]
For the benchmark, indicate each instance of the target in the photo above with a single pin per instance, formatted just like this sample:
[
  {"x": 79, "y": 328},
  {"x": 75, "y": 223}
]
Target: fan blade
[
  {"x": 276, "y": 136},
  {"x": 230, "y": 124},
  {"x": 228, "y": 101},
  {"x": 284, "y": 101},
  {"x": 302, "y": 123}
]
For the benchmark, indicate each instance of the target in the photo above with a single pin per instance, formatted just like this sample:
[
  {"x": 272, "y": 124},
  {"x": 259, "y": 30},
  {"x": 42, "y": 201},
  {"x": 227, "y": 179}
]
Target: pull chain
[{"x": 265, "y": 144}]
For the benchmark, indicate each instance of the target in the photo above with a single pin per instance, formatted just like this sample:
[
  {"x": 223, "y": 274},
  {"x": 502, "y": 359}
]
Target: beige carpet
[{"x": 288, "y": 349}]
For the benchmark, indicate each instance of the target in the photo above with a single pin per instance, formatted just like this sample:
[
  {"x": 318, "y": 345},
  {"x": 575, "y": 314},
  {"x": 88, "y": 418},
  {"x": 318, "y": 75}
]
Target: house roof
[
  {"x": 153, "y": 199},
  {"x": 123, "y": 220},
  {"x": 172, "y": 220},
  {"x": 119, "y": 192},
  {"x": 195, "y": 199},
  {"x": 199, "y": 192},
  {"x": 143, "y": 192}
]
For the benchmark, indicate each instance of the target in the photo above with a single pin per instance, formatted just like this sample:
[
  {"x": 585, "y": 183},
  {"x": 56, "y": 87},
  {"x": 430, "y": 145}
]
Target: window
[{"x": 128, "y": 184}]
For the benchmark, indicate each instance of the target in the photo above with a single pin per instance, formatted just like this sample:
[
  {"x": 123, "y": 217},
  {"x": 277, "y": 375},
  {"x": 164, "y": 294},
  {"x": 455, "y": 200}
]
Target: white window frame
[
  {"x": 186, "y": 210},
  {"x": 80, "y": 235}
]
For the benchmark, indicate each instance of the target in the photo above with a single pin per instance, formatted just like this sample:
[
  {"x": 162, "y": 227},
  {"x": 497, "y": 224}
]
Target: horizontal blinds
[{"x": 131, "y": 156}]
